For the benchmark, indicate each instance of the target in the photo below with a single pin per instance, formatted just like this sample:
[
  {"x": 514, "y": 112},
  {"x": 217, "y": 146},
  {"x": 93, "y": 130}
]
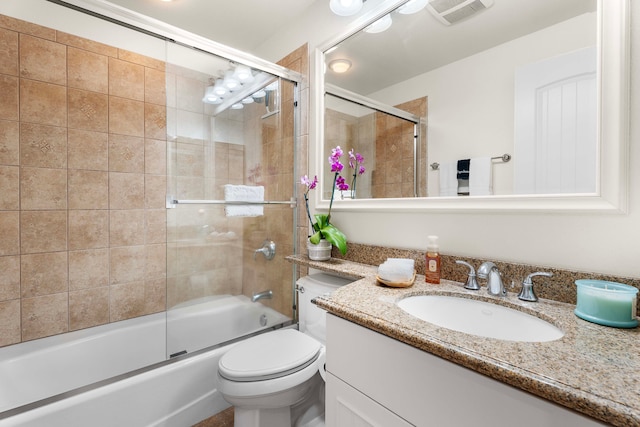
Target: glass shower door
[{"x": 226, "y": 149}]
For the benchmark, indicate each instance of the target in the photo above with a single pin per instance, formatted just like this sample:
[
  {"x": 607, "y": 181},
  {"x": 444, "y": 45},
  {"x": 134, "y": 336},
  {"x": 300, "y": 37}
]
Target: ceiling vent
[{"x": 451, "y": 11}]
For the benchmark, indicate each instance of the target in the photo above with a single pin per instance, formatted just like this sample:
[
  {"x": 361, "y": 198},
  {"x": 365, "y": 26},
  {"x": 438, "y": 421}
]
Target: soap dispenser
[{"x": 432, "y": 266}]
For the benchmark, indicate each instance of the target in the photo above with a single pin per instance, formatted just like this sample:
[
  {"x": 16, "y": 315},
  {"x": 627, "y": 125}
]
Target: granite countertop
[{"x": 592, "y": 369}]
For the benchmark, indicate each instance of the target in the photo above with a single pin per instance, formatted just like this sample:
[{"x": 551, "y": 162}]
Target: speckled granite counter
[{"x": 593, "y": 369}]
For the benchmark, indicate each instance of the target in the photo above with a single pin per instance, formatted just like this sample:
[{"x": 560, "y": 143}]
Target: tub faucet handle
[
  {"x": 526, "y": 293},
  {"x": 268, "y": 249},
  {"x": 472, "y": 283}
]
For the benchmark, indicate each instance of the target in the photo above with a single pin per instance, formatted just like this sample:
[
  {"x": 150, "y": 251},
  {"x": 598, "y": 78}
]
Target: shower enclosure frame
[{"x": 170, "y": 34}]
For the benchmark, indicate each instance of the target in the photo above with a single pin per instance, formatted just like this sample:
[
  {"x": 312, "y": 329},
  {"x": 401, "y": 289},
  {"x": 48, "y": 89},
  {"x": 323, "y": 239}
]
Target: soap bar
[{"x": 607, "y": 303}]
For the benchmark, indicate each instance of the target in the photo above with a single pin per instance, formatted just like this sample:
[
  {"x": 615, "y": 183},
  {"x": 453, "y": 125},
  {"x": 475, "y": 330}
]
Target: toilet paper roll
[{"x": 322, "y": 359}]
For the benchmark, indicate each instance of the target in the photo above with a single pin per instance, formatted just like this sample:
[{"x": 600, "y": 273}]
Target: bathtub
[{"x": 118, "y": 374}]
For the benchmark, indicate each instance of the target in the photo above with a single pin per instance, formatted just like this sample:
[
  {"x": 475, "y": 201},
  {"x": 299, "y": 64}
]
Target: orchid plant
[{"x": 322, "y": 227}]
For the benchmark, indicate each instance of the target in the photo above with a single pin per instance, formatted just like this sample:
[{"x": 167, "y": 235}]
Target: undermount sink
[{"x": 480, "y": 318}]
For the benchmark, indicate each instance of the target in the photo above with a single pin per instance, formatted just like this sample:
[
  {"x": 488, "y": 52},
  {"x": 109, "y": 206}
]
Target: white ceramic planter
[{"x": 319, "y": 252}]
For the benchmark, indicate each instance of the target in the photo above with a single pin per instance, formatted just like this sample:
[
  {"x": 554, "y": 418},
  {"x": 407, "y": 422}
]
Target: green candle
[{"x": 607, "y": 303}]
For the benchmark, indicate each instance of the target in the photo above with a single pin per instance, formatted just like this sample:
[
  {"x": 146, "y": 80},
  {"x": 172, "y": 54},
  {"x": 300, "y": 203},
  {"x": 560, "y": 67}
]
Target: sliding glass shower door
[{"x": 230, "y": 162}]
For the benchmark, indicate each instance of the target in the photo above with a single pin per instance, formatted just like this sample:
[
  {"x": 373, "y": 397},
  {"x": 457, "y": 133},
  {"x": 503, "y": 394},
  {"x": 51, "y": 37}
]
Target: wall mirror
[{"x": 534, "y": 92}]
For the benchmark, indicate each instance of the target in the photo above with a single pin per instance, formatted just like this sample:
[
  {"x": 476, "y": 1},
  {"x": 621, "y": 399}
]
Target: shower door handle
[{"x": 268, "y": 249}]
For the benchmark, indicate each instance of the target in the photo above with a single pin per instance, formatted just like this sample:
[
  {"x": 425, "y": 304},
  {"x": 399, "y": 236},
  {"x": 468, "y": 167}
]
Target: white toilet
[{"x": 276, "y": 379}]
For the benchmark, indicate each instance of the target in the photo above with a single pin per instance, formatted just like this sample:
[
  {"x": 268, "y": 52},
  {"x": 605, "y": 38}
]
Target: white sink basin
[{"x": 480, "y": 318}]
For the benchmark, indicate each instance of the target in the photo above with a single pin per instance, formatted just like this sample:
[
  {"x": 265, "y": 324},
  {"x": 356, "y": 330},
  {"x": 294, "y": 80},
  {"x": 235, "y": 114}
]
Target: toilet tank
[{"x": 312, "y": 318}]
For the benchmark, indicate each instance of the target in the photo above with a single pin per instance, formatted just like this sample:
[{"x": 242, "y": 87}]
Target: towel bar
[
  {"x": 504, "y": 158},
  {"x": 171, "y": 202}
]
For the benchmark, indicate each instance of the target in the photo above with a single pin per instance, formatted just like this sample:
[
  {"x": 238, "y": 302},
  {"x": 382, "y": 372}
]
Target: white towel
[
  {"x": 448, "y": 179},
  {"x": 243, "y": 193},
  {"x": 480, "y": 183}
]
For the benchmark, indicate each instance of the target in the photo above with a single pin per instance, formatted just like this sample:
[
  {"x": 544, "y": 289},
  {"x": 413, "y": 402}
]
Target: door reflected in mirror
[{"x": 518, "y": 77}]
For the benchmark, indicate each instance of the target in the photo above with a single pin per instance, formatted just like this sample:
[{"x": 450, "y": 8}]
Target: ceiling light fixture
[
  {"x": 209, "y": 95},
  {"x": 380, "y": 25},
  {"x": 219, "y": 88},
  {"x": 345, "y": 7},
  {"x": 259, "y": 94},
  {"x": 340, "y": 65},
  {"x": 230, "y": 81},
  {"x": 243, "y": 74},
  {"x": 412, "y": 6}
]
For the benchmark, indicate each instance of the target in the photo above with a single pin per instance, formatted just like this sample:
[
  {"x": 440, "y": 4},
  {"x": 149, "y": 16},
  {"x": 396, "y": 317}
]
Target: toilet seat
[{"x": 269, "y": 356}]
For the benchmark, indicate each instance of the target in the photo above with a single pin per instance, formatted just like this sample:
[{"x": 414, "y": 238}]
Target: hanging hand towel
[
  {"x": 448, "y": 179},
  {"x": 480, "y": 177},
  {"x": 243, "y": 193},
  {"x": 463, "y": 177}
]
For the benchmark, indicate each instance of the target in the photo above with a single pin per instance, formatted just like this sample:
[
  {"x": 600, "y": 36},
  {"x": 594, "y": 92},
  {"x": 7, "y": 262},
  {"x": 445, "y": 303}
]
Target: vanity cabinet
[{"x": 374, "y": 380}]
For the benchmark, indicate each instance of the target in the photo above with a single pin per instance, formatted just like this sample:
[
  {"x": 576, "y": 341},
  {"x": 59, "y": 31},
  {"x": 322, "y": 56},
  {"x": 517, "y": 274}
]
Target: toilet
[{"x": 276, "y": 379}]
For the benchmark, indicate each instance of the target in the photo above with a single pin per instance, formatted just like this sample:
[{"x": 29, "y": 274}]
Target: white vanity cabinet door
[
  {"x": 347, "y": 407},
  {"x": 425, "y": 390}
]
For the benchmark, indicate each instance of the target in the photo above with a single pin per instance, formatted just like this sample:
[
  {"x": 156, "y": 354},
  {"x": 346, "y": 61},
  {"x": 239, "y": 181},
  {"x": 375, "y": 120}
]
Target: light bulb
[
  {"x": 230, "y": 82},
  {"x": 219, "y": 88},
  {"x": 340, "y": 65},
  {"x": 345, "y": 7},
  {"x": 412, "y": 6},
  {"x": 259, "y": 94},
  {"x": 243, "y": 74},
  {"x": 210, "y": 96}
]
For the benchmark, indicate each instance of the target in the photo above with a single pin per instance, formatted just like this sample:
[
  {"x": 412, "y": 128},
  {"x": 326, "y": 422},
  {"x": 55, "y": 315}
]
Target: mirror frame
[{"x": 612, "y": 188}]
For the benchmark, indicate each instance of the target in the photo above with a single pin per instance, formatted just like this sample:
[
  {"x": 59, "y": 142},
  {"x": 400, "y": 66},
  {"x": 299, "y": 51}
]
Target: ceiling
[
  {"x": 418, "y": 43},
  {"x": 414, "y": 44},
  {"x": 241, "y": 24}
]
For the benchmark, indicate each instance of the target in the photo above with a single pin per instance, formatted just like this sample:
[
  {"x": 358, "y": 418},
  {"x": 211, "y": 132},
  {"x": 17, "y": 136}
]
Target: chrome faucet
[
  {"x": 472, "y": 283},
  {"x": 489, "y": 271},
  {"x": 268, "y": 294},
  {"x": 526, "y": 293}
]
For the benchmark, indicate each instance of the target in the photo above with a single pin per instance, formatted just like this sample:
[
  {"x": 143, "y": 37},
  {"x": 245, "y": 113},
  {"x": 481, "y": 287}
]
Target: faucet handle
[
  {"x": 472, "y": 283},
  {"x": 268, "y": 249},
  {"x": 526, "y": 293}
]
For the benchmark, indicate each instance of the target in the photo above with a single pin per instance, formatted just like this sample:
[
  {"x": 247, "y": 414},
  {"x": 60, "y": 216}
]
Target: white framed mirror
[{"x": 609, "y": 168}]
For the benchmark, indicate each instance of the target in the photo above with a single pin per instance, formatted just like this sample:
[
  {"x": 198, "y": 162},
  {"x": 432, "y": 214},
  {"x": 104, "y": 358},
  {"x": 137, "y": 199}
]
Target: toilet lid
[{"x": 269, "y": 355}]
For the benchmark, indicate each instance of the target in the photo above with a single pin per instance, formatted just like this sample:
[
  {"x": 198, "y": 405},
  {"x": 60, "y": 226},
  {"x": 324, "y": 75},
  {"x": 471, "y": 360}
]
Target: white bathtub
[{"x": 179, "y": 392}]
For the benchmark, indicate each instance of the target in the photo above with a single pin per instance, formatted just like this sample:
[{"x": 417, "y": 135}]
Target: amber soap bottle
[{"x": 432, "y": 266}]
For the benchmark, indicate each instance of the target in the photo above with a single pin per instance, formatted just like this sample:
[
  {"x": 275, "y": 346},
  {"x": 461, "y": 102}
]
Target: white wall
[
  {"x": 603, "y": 243},
  {"x": 471, "y": 101}
]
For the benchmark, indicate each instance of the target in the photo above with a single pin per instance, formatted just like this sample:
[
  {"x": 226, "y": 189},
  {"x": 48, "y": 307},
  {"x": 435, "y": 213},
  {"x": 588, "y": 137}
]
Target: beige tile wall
[
  {"x": 394, "y": 172},
  {"x": 82, "y": 168},
  {"x": 211, "y": 254},
  {"x": 390, "y": 162}
]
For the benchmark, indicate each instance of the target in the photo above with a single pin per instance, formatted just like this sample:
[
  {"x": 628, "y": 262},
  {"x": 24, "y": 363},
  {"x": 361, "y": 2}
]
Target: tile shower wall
[
  {"x": 83, "y": 173},
  {"x": 204, "y": 256},
  {"x": 351, "y": 132},
  {"x": 394, "y": 171},
  {"x": 209, "y": 253},
  {"x": 389, "y": 161}
]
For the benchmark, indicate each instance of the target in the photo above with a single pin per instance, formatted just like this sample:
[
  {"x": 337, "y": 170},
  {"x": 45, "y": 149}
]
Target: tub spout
[{"x": 268, "y": 294}]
